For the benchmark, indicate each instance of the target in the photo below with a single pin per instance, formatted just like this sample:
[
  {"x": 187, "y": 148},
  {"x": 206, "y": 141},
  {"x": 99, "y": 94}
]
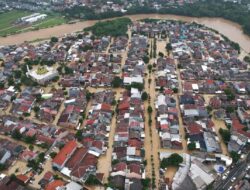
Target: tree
[
  {"x": 68, "y": 71},
  {"x": 146, "y": 59},
  {"x": 31, "y": 147},
  {"x": 175, "y": 90},
  {"x": 144, "y": 96},
  {"x": 161, "y": 54},
  {"x": 114, "y": 103},
  {"x": 235, "y": 156},
  {"x": 92, "y": 180},
  {"x": 230, "y": 94},
  {"x": 88, "y": 96},
  {"x": 1, "y": 85},
  {"x": 191, "y": 146},
  {"x": 53, "y": 154},
  {"x": 16, "y": 135},
  {"x": 225, "y": 134},
  {"x": 78, "y": 135},
  {"x": 41, "y": 157},
  {"x": 29, "y": 139},
  {"x": 117, "y": 82},
  {"x": 150, "y": 109},
  {"x": 54, "y": 39},
  {"x": 2, "y": 167},
  {"x": 230, "y": 109},
  {"x": 247, "y": 59},
  {"x": 150, "y": 68},
  {"x": 169, "y": 48},
  {"x": 17, "y": 74},
  {"x": 36, "y": 109},
  {"x": 116, "y": 27},
  {"x": 173, "y": 160},
  {"x": 146, "y": 183}
]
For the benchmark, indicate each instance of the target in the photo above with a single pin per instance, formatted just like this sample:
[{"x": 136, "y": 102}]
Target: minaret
[{"x": 28, "y": 70}]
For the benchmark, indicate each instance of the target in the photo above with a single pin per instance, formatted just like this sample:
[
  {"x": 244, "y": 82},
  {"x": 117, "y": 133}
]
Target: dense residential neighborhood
[{"x": 162, "y": 105}]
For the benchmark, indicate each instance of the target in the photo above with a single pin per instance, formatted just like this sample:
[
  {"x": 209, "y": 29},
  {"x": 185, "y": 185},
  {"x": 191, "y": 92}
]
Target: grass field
[
  {"x": 8, "y": 24},
  {"x": 7, "y": 19}
]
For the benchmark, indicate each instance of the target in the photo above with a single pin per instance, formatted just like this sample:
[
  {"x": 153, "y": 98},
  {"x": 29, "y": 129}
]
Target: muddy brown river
[{"x": 230, "y": 29}]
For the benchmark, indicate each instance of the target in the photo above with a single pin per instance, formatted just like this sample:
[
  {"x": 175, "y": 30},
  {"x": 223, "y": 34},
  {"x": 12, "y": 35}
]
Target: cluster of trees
[
  {"x": 35, "y": 163},
  {"x": 173, "y": 160},
  {"x": 117, "y": 27},
  {"x": 117, "y": 82},
  {"x": 63, "y": 69},
  {"x": 225, "y": 134},
  {"x": 230, "y": 94},
  {"x": 247, "y": 59},
  {"x": 80, "y": 12},
  {"x": 18, "y": 136}
]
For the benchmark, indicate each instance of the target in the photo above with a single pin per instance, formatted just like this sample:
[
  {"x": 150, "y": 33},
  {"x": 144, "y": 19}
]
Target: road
[{"x": 237, "y": 172}]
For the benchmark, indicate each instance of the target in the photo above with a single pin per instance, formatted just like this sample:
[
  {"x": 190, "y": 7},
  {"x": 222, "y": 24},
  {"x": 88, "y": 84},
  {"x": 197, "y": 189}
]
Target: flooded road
[{"x": 230, "y": 29}]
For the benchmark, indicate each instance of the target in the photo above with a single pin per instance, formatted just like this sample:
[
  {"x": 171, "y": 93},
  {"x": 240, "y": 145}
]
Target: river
[{"x": 230, "y": 29}]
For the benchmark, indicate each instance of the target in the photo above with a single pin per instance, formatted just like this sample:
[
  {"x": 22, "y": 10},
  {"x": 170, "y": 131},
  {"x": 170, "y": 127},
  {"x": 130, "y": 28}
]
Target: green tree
[
  {"x": 16, "y": 135},
  {"x": 161, "y": 54},
  {"x": 225, "y": 134},
  {"x": 146, "y": 59},
  {"x": 79, "y": 135},
  {"x": 169, "y": 48},
  {"x": 150, "y": 109},
  {"x": 2, "y": 167},
  {"x": 173, "y": 160},
  {"x": 144, "y": 96},
  {"x": 54, "y": 39},
  {"x": 117, "y": 82},
  {"x": 235, "y": 156},
  {"x": 53, "y": 154},
  {"x": 31, "y": 147},
  {"x": 150, "y": 68},
  {"x": 191, "y": 146}
]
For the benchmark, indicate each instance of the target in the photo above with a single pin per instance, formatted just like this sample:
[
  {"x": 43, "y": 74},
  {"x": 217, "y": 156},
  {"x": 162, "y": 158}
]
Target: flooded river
[{"x": 230, "y": 29}]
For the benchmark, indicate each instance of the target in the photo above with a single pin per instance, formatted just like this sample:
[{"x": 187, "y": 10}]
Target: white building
[{"x": 42, "y": 77}]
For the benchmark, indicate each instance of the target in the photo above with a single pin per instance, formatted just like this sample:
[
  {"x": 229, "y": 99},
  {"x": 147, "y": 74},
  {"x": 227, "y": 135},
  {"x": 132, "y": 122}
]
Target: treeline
[
  {"x": 232, "y": 11},
  {"x": 117, "y": 27},
  {"x": 79, "y": 12}
]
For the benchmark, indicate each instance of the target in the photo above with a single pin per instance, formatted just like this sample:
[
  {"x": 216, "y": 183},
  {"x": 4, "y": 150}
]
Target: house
[
  {"x": 54, "y": 185},
  {"x": 6, "y": 183},
  {"x": 4, "y": 156},
  {"x": 64, "y": 155}
]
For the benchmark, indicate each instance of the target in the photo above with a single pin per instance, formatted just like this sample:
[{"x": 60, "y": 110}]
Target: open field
[{"x": 8, "y": 25}]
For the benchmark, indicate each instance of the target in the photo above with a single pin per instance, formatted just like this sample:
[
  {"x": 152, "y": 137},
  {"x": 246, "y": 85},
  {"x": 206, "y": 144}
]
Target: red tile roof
[
  {"x": 48, "y": 175},
  {"x": 194, "y": 129},
  {"x": 120, "y": 167},
  {"x": 23, "y": 178},
  {"x": 134, "y": 168},
  {"x": 64, "y": 153},
  {"x": 76, "y": 157},
  {"x": 54, "y": 184}
]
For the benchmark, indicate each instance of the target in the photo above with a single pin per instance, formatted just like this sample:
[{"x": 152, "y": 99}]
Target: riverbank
[{"x": 229, "y": 29}]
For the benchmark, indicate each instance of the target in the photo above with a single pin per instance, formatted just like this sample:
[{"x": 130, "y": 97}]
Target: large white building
[
  {"x": 33, "y": 18},
  {"x": 42, "y": 74}
]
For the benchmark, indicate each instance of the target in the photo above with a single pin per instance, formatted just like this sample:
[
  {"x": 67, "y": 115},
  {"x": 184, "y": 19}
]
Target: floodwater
[{"x": 230, "y": 29}]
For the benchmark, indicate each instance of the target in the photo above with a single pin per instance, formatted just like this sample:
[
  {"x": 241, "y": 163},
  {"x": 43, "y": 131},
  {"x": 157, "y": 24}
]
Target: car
[
  {"x": 230, "y": 188},
  {"x": 224, "y": 177},
  {"x": 233, "y": 179},
  {"x": 248, "y": 167}
]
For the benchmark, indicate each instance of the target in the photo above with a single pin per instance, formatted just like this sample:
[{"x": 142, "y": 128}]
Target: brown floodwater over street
[{"x": 230, "y": 29}]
